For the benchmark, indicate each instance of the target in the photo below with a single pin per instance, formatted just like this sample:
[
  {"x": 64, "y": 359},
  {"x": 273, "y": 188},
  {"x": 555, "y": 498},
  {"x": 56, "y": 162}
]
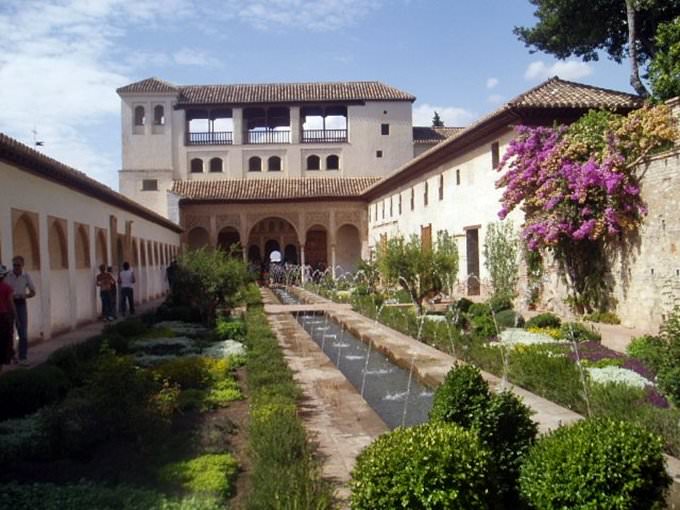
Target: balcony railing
[
  {"x": 324, "y": 135},
  {"x": 210, "y": 138},
  {"x": 268, "y": 136}
]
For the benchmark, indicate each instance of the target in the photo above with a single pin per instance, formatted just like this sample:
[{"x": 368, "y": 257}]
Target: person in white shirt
[
  {"x": 126, "y": 282},
  {"x": 23, "y": 287}
]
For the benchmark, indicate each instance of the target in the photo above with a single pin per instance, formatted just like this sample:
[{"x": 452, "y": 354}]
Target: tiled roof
[
  {"x": 556, "y": 93},
  {"x": 35, "y": 162},
  {"x": 429, "y": 135},
  {"x": 272, "y": 92},
  {"x": 274, "y": 189},
  {"x": 550, "y": 96},
  {"x": 150, "y": 85}
]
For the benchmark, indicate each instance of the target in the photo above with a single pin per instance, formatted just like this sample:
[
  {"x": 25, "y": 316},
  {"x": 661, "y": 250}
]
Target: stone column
[
  {"x": 71, "y": 255},
  {"x": 333, "y": 260},
  {"x": 237, "y": 120},
  {"x": 43, "y": 286},
  {"x": 295, "y": 124},
  {"x": 213, "y": 231},
  {"x": 302, "y": 264}
]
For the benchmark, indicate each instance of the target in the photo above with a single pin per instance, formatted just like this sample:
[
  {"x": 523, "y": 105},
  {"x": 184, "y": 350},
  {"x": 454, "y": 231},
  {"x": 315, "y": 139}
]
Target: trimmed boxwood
[
  {"x": 509, "y": 319},
  {"x": 459, "y": 398},
  {"x": 23, "y": 392},
  {"x": 544, "y": 320},
  {"x": 431, "y": 466},
  {"x": 596, "y": 463}
]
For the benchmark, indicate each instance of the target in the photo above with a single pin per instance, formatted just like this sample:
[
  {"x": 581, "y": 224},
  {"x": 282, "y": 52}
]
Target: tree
[
  {"x": 419, "y": 270},
  {"x": 436, "y": 120},
  {"x": 585, "y": 27},
  {"x": 664, "y": 69},
  {"x": 501, "y": 247}
]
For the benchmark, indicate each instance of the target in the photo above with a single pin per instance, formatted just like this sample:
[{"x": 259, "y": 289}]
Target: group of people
[
  {"x": 108, "y": 291},
  {"x": 16, "y": 287}
]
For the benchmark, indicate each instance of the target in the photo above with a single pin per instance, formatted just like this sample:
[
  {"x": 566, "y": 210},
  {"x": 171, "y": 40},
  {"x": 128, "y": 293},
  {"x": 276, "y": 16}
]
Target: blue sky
[{"x": 61, "y": 60}]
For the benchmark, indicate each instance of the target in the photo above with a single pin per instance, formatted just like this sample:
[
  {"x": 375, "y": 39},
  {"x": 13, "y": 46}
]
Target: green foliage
[
  {"x": 509, "y": 319},
  {"x": 46, "y": 496},
  {"x": 579, "y": 332},
  {"x": 596, "y": 463},
  {"x": 546, "y": 371},
  {"x": 544, "y": 320},
  {"x": 500, "y": 302},
  {"x": 21, "y": 438},
  {"x": 169, "y": 311},
  {"x": 501, "y": 247},
  {"x": 431, "y": 466},
  {"x": 460, "y": 397},
  {"x": 228, "y": 328},
  {"x": 74, "y": 360},
  {"x": 615, "y": 400},
  {"x": 129, "y": 328},
  {"x": 419, "y": 271},
  {"x": 651, "y": 350},
  {"x": 603, "y": 317},
  {"x": 207, "y": 279},
  {"x": 250, "y": 295},
  {"x": 206, "y": 474},
  {"x": 481, "y": 321},
  {"x": 668, "y": 380},
  {"x": 664, "y": 69},
  {"x": 25, "y": 391}
]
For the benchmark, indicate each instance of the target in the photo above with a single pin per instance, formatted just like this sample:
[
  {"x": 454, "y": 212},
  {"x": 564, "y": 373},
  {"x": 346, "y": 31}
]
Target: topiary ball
[
  {"x": 435, "y": 465},
  {"x": 596, "y": 463},
  {"x": 460, "y": 396}
]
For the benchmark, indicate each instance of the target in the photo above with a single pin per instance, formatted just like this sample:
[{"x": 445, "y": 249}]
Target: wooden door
[{"x": 472, "y": 249}]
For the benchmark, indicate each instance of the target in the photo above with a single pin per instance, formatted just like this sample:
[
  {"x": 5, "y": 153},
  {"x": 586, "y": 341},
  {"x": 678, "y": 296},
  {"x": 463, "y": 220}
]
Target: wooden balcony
[
  {"x": 209, "y": 138},
  {"x": 324, "y": 135},
  {"x": 269, "y": 136}
]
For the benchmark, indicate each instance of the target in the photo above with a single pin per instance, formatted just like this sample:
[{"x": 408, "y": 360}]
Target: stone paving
[{"x": 431, "y": 366}]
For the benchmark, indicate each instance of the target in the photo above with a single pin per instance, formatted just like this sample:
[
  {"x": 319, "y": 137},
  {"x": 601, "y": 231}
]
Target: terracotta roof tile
[
  {"x": 274, "y": 188},
  {"x": 556, "y": 93},
  {"x": 271, "y": 92},
  {"x": 428, "y": 135},
  {"x": 150, "y": 85},
  {"x": 16, "y": 152}
]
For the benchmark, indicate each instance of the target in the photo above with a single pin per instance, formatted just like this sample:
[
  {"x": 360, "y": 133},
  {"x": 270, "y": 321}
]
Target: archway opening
[
  {"x": 25, "y": 240},
  {"x": 290, "y": 255},
  {"x": 229, "y": 240},
  {"x": 316, "y": 248}
]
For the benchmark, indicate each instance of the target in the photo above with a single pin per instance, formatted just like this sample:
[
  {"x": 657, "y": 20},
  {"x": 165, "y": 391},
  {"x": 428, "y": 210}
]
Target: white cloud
[
  {"x": 567, "y": 70},
  {"x": 451, "y": 115},
  {"x": 491, "y": 83},
  {"x": 495, "y": 98},
  {"x": 192, "y": 57}
]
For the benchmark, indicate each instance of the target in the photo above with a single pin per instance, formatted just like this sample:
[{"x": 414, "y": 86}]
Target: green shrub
[
  {"x": 25, "y": 391},
  {"x": 460, "y": 397},
  {"x": 603, "y": 317},
  {"x": 22, "y": 439},
  {"x": 230, "y": 329},
  {"x": 186, "y": 371},
  {"x": 483, "y": 326},
  {"x": 509, "y": 319},
  {"x": 651, "y": 350},
  {"x": 250, "y": 295},
  {"x": 129, "y": 328},
  {"x": 544, "y": 320},
  {"x": 546, "y": 371},
  {"x": 668, "y": 380},
  {"x": 47, "y": 496},
  {"x": 211, "y": 473},
  {"x": 479, "y": 310},
  {"x": 430, "y": 466},
  {"x": 75, "y": 359},
  {"x": 499, "y": 303},
  {"x": 579, "y": 332},
  {"x": 596, "y": 463},
  {"x": 175, "y": 312},
  {"x": 506, "y": 429},
  {"x": 615, "y": 400}
]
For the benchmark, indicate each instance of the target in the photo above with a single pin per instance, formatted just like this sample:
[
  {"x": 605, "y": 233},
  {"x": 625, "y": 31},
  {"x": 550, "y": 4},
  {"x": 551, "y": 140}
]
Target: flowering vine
[{"x": 579, "y": 189}]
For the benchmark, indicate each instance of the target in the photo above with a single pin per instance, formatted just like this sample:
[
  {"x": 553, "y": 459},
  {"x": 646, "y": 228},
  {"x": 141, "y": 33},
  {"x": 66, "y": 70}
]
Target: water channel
[{"x": 393, "y": 392}]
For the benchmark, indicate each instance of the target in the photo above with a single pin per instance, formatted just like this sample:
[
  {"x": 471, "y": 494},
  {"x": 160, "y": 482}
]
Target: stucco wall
[{"x": 67, "y": 296}]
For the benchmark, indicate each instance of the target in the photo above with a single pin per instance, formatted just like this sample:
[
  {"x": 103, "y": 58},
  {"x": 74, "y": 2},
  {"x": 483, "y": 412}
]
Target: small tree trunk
[{"x": 632, "y": 50}]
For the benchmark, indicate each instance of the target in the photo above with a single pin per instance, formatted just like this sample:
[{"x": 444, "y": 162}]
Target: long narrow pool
[{"x": 393, "y": 392}]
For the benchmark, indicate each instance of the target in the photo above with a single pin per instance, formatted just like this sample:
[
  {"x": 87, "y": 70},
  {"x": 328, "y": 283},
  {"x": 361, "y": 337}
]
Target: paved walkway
[{"x": 38, "y": 352}]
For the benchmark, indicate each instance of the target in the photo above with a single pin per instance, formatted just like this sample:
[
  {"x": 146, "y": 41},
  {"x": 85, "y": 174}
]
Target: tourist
[
  {"x": 23, "y": 288},
  {"x": 171, "y": 274},
  {"x": 114, "y": 295},
  {"x": 106, "y": 283},
  {"x": 7, "y": 315},
  {"x": 126, "y": 281}
]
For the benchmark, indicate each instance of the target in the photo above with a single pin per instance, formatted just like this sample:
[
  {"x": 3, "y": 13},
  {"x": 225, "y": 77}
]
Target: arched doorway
[
  {"x": 254, "y": 255},
  {"x": 347, "y": 249},
  {"x": 268, "y": 235},
  {"x": 198, "y": 237},
  {"x": 228, "y": 240},
  {"x": 316, "y": 253},
  {"x": 290, "y": 255},
  {"x": 270, "y": 246}
]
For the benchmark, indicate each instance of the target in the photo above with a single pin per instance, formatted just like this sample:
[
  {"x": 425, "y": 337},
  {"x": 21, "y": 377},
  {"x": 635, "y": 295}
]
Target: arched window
[
  {"x": 196, "y": 166},
  {"x": 216, "y": 165},
  {"x": 274, "y": 164},
  {"x": 82, "y": 248},
  {"x": 159, "y": 115},
  {"x": 140, "y": 116},
  {"x": 255, "y": 164},
  {"x": 332, "y": 163},
  {"x": 313, "y": 163}
]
